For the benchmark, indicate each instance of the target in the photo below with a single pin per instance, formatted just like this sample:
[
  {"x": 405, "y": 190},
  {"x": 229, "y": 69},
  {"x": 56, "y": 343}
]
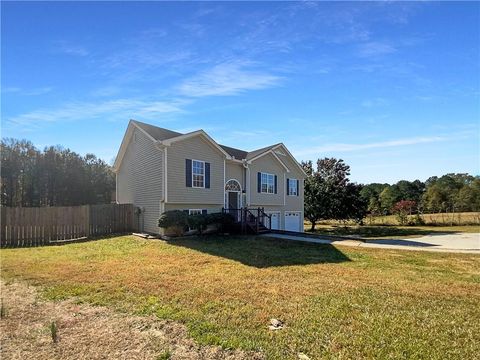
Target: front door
[{"x": 233, "y": 204}]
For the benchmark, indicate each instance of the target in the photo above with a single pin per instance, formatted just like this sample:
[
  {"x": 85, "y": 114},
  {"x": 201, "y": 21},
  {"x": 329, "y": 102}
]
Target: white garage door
[
  {"x": 292, "y": 221},
  {"x": 275, "y": 221}
]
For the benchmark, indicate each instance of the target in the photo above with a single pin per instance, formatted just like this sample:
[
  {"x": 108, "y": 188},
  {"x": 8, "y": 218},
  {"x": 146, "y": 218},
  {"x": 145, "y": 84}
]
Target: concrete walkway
[{"x": 461, "y": 243}]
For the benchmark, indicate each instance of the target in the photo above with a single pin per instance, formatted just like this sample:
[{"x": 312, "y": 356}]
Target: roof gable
[
  {"x": 254, "y": 153},
  {"x": 274, "y": 150},
  {"x": 202, "y": 133},
  {"x": 289, "y": 155}
]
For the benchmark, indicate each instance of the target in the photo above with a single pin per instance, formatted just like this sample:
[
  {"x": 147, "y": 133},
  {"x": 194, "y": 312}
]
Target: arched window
[{"x": 233, "y": 185}]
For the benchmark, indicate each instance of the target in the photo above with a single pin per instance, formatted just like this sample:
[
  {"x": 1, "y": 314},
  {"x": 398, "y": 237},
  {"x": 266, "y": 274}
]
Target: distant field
[
  {"x": 444, "y": 219},
  {"x": 391, "y": 231}
]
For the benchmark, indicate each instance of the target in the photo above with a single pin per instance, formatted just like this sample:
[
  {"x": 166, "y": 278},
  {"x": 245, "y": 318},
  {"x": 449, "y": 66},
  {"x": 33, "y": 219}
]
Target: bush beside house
[{"x": 178, "y": 222}]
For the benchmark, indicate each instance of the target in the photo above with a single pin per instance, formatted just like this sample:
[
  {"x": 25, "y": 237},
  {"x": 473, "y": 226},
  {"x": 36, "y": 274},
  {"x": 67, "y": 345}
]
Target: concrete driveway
[{"x": 462, "y": 242}]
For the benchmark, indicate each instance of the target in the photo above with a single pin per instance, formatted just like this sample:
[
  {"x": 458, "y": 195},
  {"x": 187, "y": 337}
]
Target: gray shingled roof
[
  {"x": 236, "y": 153},
  {"x": 159, "y": 133},
  {"x": 156, "y": 132}
]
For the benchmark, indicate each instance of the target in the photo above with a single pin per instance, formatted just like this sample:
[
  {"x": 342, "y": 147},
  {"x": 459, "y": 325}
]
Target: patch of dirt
[{"x": 90, "y": 332}]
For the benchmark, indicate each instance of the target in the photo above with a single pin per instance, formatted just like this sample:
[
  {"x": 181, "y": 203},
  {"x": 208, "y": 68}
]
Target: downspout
[
  {"x": 163, "y": 148},
  {"x": 224, "y": 179},
  {"x": 247, "y": 182}
]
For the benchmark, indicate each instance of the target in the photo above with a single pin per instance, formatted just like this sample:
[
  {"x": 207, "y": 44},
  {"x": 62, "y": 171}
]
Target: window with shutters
[
  {"x": 198, "y": 173},
  {"x": 293, "y": 187},
  {"x": 267, "y": 183}
]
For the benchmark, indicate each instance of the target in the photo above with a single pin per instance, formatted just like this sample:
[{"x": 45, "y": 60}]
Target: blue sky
[{"x": 391, "y": 88}]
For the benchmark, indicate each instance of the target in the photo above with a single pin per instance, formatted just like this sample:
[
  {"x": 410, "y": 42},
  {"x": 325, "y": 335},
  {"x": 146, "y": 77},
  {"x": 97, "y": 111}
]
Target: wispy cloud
[
  {"x": 71, "y": 49},
  {"x": 342, "y": 147},
  {"x": 375, "y": 48},
  {"x": 229, "y": 78},
  {"x": 107, "y": 110},
  {"x": 27, "y": 92},
  {"x": 376, "y": 102},
  {"x": 106, "y": 91},
  {"x": 10, "y": 89}
]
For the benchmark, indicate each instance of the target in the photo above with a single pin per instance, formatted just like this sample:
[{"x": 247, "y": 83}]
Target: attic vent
[{"x": 279, "y": 152}]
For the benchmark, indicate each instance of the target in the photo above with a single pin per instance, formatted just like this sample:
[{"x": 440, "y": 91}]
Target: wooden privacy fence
[{"x": 47, "y": 225}]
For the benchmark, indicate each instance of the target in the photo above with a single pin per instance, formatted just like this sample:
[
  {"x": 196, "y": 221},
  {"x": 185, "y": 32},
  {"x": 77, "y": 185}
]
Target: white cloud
[
  {"x": 31, "y": 92},
  {"x": 106, "y": 91},
  {"x": 343, "y": 147},
  {"x": 11, "y": 89},
  {"x": 107, "y": 110},
  {"x": 71, "y": 49},
  {"x": 375, "y": 48},
  {"x": 229, "y": 78},
  {"x": 374, "y": 102}
]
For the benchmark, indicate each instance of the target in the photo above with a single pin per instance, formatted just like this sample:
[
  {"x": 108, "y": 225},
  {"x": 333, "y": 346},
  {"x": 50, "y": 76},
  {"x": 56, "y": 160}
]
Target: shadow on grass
[
  {"x": 261, "y": 252},
  {"x": 379, "y": 231}
]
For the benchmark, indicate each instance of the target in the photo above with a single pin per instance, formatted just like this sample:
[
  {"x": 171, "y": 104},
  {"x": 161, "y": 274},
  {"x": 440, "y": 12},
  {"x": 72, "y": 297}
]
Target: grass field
[
  {"x": 443, "y": 219},
  {"x": 335, "y": 302},
  {"x": 390, "y": 231}
]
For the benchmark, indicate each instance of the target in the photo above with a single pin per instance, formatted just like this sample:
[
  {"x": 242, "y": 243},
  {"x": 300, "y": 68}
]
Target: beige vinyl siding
[
  {"x": 292, "y": 166},
  {"x": 210, "y": 208},
  {"x": 196, "y": 148},
  {"x": 292, "y": 202},
  {"x": 235, "y": 171},
  {"x": 267, "y": 164},
  {"x": 139, "y": 179}
]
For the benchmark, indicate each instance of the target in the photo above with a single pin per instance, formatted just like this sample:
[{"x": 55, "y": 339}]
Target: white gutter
[
  {"x": 163, "y": 148},
  {"x": 247, "y": 182},
  {"x": 224, "y": 191}
]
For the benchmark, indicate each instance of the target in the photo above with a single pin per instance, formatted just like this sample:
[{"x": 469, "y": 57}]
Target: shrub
[
  {"x": 223, "y": 221},
  {"x": 197, "y": 222},
  {"x": 402, "y": 209},
  {"x": 175, "y": 220},
  {"x": 178, "y": 221},
  {"x": 417, "y": 221},
  {"x": 218, "y": 221}
]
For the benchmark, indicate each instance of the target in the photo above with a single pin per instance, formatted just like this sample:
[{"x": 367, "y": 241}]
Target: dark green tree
[
  {"x": 389, "y": 197},
  {"x": 329, "y": 193}
]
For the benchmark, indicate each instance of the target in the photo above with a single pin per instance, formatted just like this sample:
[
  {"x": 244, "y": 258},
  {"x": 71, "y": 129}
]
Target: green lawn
[
  {"x": 336, "y": 302},
  {"x": 390, "y": 231}
]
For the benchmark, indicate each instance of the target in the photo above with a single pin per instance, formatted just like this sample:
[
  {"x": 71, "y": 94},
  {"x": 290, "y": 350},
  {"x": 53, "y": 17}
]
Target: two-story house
[{"x": 160, "y": 170}]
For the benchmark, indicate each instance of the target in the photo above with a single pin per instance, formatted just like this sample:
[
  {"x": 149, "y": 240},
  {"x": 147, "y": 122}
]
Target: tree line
[
  {"x": 54, "y": 176},
  {"x": 330, "y": 195},
  {"x": 448, "y": 193}
]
